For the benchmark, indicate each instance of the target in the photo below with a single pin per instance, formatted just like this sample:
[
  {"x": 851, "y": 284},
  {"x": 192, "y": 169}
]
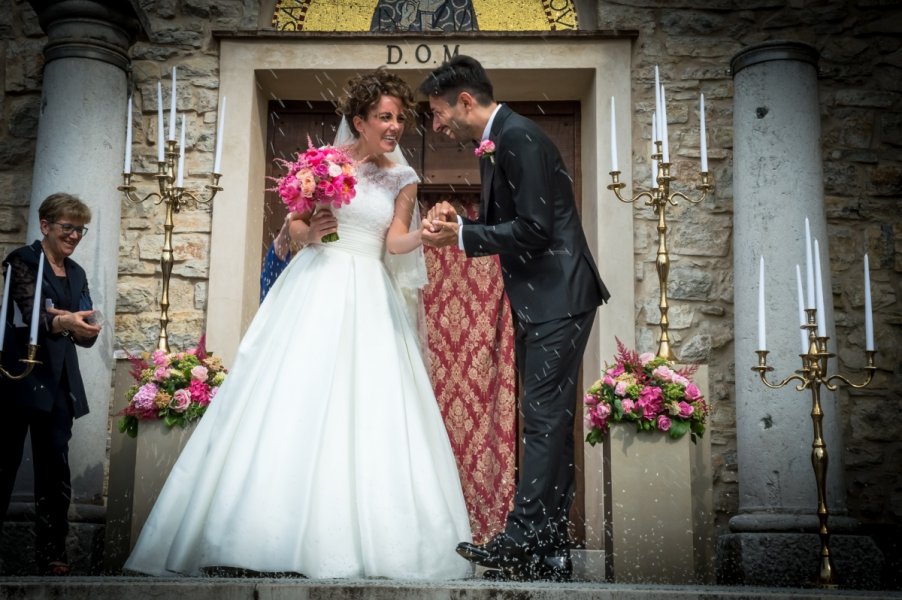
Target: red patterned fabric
[{"x": 474, "y": 376}]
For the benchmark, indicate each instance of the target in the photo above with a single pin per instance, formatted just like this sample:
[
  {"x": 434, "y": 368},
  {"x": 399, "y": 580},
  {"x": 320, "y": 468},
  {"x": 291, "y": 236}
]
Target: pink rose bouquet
[
  {"x": 646, "y": 390},
  {"x": 176, "y": 388},
  {"x": 318, "y": 177}
]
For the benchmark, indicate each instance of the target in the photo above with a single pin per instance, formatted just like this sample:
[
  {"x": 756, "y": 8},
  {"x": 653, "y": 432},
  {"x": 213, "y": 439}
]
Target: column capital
[
  {"x": 773, "y": 50},
  {"x": 95, "y": 29}
]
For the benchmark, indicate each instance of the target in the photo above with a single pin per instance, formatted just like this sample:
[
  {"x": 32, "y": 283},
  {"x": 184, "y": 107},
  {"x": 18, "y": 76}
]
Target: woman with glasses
[{"x": 48, "y": 400}]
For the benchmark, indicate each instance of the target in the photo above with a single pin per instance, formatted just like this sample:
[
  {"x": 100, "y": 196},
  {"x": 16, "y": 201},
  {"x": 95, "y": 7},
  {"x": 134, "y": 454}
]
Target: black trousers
[
  {"x": 50, "y": 435},
  {"x": 549, "y": 356}
]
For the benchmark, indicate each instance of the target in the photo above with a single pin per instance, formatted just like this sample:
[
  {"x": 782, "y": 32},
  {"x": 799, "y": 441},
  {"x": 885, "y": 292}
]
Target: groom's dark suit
[{"x": 528, "y": 217}]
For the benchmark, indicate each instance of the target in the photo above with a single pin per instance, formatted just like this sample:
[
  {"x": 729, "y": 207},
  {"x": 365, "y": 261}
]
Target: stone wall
[{"x": 692, "y": 41}]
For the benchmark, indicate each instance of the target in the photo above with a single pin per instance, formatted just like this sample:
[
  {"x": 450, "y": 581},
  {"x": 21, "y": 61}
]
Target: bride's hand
[{"x": 322, "y": 223}]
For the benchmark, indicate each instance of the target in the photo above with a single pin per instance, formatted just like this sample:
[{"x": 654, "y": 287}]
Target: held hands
[
  {"x": 440, "y": 227},
  {"x": 75, "y": 323}
]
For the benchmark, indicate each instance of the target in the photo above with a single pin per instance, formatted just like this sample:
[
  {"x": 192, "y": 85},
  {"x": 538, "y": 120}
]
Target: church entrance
[{"x": 470, "y": 333}]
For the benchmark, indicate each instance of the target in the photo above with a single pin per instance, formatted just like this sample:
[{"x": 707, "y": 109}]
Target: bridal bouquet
[
  {"x": 322, "y": 176},
  {"x": 646, "y": 390},
  {"x": 175, "y": 388}
]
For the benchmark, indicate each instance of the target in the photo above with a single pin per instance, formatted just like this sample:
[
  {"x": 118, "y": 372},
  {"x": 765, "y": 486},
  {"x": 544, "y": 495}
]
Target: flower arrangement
[
  {"x": 647, "y": 390},
  {"x": 323, "y": 176},
  {"x": 175, "y": 388},
  {"x": 486, "y": 149}
]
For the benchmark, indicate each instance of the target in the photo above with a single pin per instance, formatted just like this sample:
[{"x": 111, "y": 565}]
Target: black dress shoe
[
  {"x": 553, "y": 567},
  {"x": 501, "y": 552}
]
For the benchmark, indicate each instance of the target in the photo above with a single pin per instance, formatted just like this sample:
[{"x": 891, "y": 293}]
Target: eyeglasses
[{"x": 68, "y": 228}]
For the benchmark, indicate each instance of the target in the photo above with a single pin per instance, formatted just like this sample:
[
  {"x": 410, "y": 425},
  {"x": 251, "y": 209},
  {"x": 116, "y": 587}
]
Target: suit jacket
[
  {"x": 528, "y": 217},
  {"x": 59, "y": 360}
]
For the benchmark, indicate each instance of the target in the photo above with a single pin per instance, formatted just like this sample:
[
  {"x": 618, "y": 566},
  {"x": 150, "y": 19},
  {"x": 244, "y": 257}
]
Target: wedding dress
[{"x": 324, "y": 452}]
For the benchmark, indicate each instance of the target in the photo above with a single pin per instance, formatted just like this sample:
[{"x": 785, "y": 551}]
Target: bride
[{"x": 324, "y": 452}]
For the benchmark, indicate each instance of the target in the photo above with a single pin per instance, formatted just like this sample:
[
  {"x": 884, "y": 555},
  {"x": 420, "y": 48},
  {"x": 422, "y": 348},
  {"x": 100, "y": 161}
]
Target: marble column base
[{"x": 793, "y": 559}]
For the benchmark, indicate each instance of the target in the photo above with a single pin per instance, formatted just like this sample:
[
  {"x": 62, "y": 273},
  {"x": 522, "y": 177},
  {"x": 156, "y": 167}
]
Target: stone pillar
[
  {"x": 80, "y": 147},
  {"x": 777, "y": 183}
]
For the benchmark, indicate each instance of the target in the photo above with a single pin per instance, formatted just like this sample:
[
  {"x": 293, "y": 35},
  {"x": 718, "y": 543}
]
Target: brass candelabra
[
  {"x": 812, "y": 376},
  {"x": 659, "y": 198},
  {"x": 174, "y": 197}
]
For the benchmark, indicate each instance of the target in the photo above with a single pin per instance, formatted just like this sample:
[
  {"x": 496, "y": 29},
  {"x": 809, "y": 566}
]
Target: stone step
[{"x": 143, "y": 588}]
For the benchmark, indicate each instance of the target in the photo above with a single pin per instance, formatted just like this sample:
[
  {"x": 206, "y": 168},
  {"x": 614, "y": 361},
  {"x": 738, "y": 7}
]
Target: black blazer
[
  {"x": 528, "y": 217},
  {"x": 59, "y": 360}
]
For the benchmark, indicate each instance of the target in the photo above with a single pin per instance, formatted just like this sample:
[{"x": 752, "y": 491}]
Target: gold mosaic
[{"x": 411, "y": 16}]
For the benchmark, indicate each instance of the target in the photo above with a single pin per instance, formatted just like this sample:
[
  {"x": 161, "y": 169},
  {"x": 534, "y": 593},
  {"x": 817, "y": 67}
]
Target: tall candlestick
[
  {"x": 664, "y": 125},
  {"x": 809, "y": 266},
  {"x": 762, "y": 344},
  {"x": 703, "y": 135},
  {"x": 36, "y": 307},
  {"x": 613, "y": 137},
  {"x": 172, "y": 109},
  {"x": 128, "y": 139},
  {"x": 180, "y": 178},
  {"x": 160, "y": 144},
  {"x": 5, "y": 306},
  {"x": 658, "y": 113},
  {"x": 219, "y": 131},
  {"x": 868, "y": 315},
  {"x": 819, "y": 293},
  {"x": 654, "y": 163},
  {"x": 802, "y": 332}
]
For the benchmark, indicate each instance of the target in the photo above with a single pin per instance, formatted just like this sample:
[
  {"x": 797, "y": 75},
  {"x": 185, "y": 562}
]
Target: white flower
[{"x": 334, "y": 170}]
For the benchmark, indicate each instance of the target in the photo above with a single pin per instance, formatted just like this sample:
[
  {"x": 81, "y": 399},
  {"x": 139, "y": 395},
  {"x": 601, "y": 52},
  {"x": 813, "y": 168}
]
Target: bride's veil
[{"x": 408, "y": 270}]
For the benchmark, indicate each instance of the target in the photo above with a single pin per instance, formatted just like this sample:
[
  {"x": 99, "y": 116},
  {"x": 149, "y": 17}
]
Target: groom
[{"x": 528, "y": 217}]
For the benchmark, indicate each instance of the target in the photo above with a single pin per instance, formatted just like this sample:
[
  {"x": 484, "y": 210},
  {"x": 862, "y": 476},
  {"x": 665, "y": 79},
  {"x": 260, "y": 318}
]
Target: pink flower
[
  {"x": 162, "y": 373},
  {"x": 486, "y": 149},
  {"x": 663, "y": 372},
  {"x": 686, "y": 409},
  {"x": 664, "y": 423},
  {"x": 646, "y": 357},
  {"x": 590, "y": 399},
  {"x": 692, "y": 392},
  {"x": 608, "y": 381},
  {"x": 620, "y": 388},
  {"x": 181, "y": 399},
  {"x": 160, "y": 358},
  {"x": 199, "y": 373},
  {"x": 628, "y": 405},
  {"x": 651, "y": 400},
  {"x": 144, "y": 397},
  {"x": 200, "y": 392},
  {"x": 617, "y": 371}
]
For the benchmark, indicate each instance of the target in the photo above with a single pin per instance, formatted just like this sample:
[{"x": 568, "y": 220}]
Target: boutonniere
[{"x": 486, "y": 149}]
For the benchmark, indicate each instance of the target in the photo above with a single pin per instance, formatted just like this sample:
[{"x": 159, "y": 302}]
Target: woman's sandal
[{"x": 58, "y": 568}]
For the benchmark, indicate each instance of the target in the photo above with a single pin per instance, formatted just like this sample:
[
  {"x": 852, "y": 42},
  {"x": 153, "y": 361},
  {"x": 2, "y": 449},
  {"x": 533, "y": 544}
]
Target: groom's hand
[
  {"x": 439, "y": 233},
  {"x": 442, "y": 211}
]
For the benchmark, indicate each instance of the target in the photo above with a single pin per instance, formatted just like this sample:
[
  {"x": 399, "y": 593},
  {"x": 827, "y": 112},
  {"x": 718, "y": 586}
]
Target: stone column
[
  {"x": 777, "y": 183},
  {"x": 80, "y": 147}
]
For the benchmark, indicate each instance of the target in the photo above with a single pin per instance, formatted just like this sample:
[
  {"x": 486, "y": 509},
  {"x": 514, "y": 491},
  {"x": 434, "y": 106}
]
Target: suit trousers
[
  {"x": 549, "y": 356},
  {"x": 50, "y": 435}
]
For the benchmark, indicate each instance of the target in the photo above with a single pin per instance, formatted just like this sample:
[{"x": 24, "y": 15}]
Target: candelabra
[
  {"x": 30, "y": 362},
  {"x": 174, "y": 196},
  {"x": 812, "y": 376},
  {"x": 659, "y": 198}
]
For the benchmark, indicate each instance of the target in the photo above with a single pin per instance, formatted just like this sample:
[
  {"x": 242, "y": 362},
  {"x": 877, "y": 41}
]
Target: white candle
[
  {"x": 664, "y": 125},
  {"x": 704, "y": 135},
  {"x": 219, "y": 130},
  {"x": 819, "y": 293},
  {"x": 803, "y": 333},
  {"x": 36, "y": 308},
  {"x": 762, "y": 344},
  {"x": 613, "y": 137},
  {"x": 172, "y": 109},
  {"x": 809, "y": 266},
  {"x": 868, "y": 315},
  {"x": 658, "y": 103},
  {"x": 5, "y": 306},
  {"x": 160, "y": 144},
  {"x": 180, "y": 178},
  {"x": 652, "y": 161},
  {"x": 128, "y": 139}
]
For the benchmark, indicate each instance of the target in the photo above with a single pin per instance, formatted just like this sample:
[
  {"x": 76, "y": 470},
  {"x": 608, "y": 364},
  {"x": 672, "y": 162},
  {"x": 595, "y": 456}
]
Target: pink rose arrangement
[
  {"x": 322, "y": 176},
  {"x": 646, "y": 390},
  {"x": 486, "y": 149},
  {"x": 175, "y": 388}
]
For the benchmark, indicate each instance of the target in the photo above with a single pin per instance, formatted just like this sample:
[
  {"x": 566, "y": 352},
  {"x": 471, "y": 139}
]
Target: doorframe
[{"x": 588, "y": 68}]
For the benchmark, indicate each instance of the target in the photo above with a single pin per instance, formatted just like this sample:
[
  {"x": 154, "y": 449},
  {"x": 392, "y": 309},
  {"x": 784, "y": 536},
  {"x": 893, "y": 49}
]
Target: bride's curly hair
[{"x": 362, "y": 92}]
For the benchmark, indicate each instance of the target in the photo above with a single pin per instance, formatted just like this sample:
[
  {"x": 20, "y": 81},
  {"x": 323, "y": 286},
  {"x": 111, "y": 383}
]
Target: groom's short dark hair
[{"x": 461, "y": 73}]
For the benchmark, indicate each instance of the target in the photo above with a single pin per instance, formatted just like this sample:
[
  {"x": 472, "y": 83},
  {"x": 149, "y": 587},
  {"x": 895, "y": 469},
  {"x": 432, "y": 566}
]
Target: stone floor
[{"x": 114, "y": 588}]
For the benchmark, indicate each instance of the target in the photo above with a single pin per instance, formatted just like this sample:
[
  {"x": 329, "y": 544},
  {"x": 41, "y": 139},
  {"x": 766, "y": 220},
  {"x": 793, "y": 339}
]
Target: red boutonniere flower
[{"x": 486, "y": 149}]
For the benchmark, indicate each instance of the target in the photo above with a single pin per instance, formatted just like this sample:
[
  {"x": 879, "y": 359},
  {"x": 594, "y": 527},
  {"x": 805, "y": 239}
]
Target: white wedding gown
[{"x": 324, "y": 453}]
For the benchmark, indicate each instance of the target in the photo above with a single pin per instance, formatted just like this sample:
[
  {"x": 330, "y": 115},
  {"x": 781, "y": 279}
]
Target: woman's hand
[
  {"x": 282, "y": 242},
  {"x": 74, "y": 323},
  {"x": 322, "y": 223}
]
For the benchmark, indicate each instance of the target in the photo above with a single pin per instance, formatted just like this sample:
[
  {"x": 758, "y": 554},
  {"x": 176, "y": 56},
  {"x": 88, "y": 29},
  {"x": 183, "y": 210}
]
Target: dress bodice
[{"x": 373, "y": 207}]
